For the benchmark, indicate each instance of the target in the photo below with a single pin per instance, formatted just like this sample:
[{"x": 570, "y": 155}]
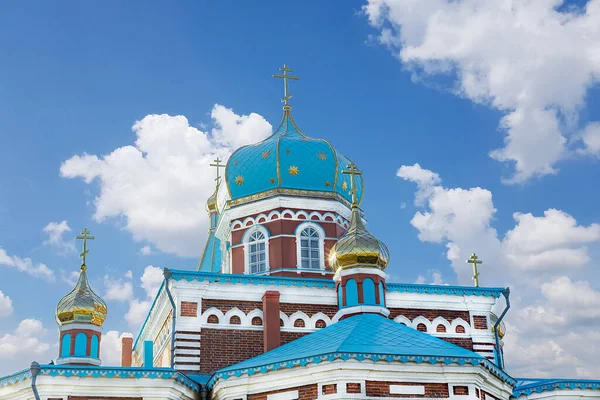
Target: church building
[{"x": 290, "y": 300}]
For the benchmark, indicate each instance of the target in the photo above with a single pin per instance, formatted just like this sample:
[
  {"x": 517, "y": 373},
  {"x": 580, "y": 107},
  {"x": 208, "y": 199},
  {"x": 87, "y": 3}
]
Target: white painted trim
[
  {"x": 407, "y": 389},
  {"x": 245, "y": 241},
  {"x": 71, "y": 360},
  {"x": 90, "y": 327},
  {"x": 361, "y": 309},
  {"x": 352, "y": 271},
  {"x": 291, "y": 395}
]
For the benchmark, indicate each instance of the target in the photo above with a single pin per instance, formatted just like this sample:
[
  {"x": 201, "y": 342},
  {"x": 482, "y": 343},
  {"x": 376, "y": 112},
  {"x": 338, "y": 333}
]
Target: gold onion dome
[
  {"x": 81, "y": 305},
  {"x": 211, "y": 203},
  {"x": 501, "y": 327},
  {"x": 358, "y": 248}
]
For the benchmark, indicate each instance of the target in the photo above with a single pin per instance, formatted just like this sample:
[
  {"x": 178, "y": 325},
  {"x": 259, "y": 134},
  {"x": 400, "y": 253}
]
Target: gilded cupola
[
  {"x": 81, "y": 305},
  {"x": 357, "y": 248}
]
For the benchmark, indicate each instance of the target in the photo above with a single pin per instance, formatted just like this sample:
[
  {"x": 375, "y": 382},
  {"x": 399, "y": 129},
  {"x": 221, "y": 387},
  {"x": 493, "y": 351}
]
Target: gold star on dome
[
  {"x": 287, "y": 151},
  {"x": 235, "y": 163},
  {"x": 293, "y": 170},
  {"x": 344, "y": 186},
  {"x": 327, "y": 183},
  {"x": 272, "y": 180},
  {"x": 266, "y": 154},
  {"x": 239, "y": 180},
  {"x": 322, "y": 156}
]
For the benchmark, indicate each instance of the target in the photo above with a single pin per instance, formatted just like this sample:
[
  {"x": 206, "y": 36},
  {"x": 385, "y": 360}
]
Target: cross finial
[
  {"x": 217, "y": 164},
  {"x": 475, "y": 260},
  {"x": 84, "y": 236},
  {"x": 286, "y": 94},
  {"x": 352, "y": 169}
]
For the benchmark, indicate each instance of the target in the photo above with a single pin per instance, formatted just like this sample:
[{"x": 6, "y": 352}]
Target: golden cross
[
  {"x": 218, "y": 165},
  {"x": 352, "y": 170},
  {"x": 286, "y": 94},
  {"x": 474, "y": 260},
  {"x": 84, "y": 236}
]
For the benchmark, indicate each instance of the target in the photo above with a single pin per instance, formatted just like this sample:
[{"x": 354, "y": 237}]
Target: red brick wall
[
  {"x": 480, "y": 322},
  {"x": 411, "y": 314},
  {"x": 189, "y": 309},
  {"x": 466, "y": 343},
  {"x": 329, "y": 389},
  {"x": 309, "y": 309},
  {"x": 460, "y": 390},
  {"x": 226, "y": 305},
  {"x": 353, "y": 388},
  {"x": 308, "y": 392},
  {"x": 220, "y": 348},
  {"x": 287, "y": 337},
  {"x": 382, "y": 389}
]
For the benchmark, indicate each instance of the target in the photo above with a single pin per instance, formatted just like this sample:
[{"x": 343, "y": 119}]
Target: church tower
[
  {"x": 359, "y": 260},
  {"x": 211, "y": 256},
  {"x": 80, "y": 315}
]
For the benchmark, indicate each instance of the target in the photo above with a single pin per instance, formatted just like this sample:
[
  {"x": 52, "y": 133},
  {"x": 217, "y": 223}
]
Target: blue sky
[{"x": 380, "y": 84}]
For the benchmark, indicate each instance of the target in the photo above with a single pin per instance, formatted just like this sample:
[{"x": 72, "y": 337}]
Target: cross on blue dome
[{"x": 289, "y": 162}]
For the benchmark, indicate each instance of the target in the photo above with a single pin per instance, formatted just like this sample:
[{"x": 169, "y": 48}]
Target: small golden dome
[
  {"x": 211, "y": 203},
  {"x": 82, "y": 305},
  {"x": 358, "y": 248},
  {"x": 501, "y": 327}
]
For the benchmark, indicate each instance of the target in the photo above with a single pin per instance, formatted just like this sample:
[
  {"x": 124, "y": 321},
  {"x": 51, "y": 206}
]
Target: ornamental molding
[
  {"x": 290, "y": 215},
  {"x": 103, "y": 372},
  {"x": 360, "y": 357},
  {"x": 542, "y": 385}
]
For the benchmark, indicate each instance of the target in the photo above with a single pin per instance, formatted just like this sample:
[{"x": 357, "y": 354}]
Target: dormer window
[{"x": 310, "y": 239}]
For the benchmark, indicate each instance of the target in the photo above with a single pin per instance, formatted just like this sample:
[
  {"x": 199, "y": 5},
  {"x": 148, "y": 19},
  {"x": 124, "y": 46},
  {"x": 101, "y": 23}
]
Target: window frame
[
  {"x": 247, "y": 243},
  {"x": 321, "y": 245}
]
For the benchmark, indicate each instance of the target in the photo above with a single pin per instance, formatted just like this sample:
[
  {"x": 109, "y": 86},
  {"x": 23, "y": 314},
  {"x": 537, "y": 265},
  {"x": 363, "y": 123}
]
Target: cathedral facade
[{"x": 289, "y": 301}]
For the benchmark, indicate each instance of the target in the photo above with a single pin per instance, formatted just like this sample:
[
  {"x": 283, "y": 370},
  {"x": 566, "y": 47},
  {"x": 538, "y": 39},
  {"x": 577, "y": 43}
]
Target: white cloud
[
  {"x": 151, "y": 280},
  {"x": 138, "y": 310},
  {"x": 25, "y": 342},
  {"x": 26, "y": 265},
  {"x": 111, "y": 348},
  {"x": 117, "y": 290},
  {"x": 591, "y": 139},
  {"x": 71, "y": 278},
  {"x": 6, "y": 306},
  {"x": 435, "y": 277},
  {"x": 462, "y": 220},
  {"x": 55, "y": 231},
  {"x": 129, "y": 275},
  {"x": 551, "y": 314},
  {"x": 526, "y": 59},
  {"x": 146, "y": 250},
  {"x": 160, "y": 183}
]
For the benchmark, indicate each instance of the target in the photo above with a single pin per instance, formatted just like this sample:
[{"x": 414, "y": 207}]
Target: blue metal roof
[
  {"x": 361, "y": 337},
  {"x": 526, "y": 386},
  {"x": 211, "y": 256},
  {"x": 288, "y": 159},
  {"x": 103, "y": 372}
]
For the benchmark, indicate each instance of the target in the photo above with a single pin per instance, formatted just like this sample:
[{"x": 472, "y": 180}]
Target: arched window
[
  {"x": 80, "y": 345},
  {"x": 310, "y": 251},
  {"x": 310, "y": 239},
  {"x": 257, "y": 252},
  {"x": 65, "y": 350},
  {"x": 94, "y": 347}
]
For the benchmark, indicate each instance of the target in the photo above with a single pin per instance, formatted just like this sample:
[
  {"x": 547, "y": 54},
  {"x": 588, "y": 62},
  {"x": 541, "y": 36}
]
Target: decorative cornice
[
  {"x": 541, "y": 385},
  {"x": 251, "y": 279},
  {"x": 103, "y": 372},
  {"x": 324, "y": 283},
  {"x": 444, "y": 289},
  {"x": 361, "y": 357}
]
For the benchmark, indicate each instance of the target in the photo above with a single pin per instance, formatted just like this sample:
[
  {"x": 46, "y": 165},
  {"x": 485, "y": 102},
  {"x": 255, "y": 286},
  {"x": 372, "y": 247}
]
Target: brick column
[
  {"x": 126, "y": 349},
  {"x": 271, "y": 327}
]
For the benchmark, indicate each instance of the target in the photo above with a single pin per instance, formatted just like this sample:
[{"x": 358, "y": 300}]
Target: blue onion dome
[
  {"x": 81, "y": 305},
  {"x": 289, "y": 162},
  {"x": 358, "y": 248}
]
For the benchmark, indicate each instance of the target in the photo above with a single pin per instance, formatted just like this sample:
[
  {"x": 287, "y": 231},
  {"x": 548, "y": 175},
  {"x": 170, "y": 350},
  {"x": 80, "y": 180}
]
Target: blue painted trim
[
  {"x": 324, "y": 283},
  {"x": 541, "y": 385},
  {"x": 361, "y": 357},
  {"x": 443, "y": 289},
  {"x": 103, "y": 372},
  {"x": 149, "y": 313}
]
